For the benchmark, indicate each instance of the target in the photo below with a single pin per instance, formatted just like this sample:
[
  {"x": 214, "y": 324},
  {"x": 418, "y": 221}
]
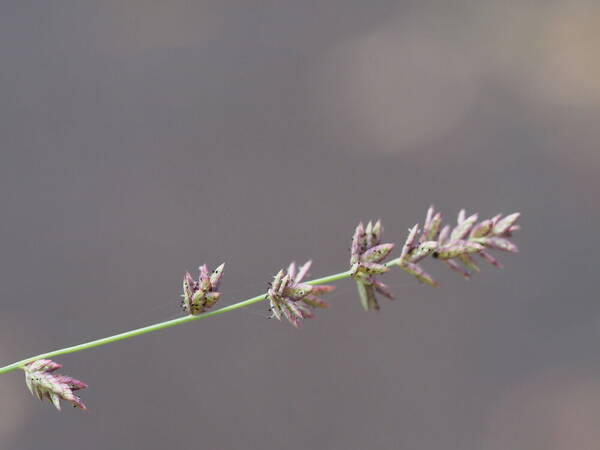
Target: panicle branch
[{"x": 294, "y": 299}]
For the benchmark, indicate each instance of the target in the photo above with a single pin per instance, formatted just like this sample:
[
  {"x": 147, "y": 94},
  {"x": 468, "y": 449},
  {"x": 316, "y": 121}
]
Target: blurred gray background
[{"x": 140, "y": 139}]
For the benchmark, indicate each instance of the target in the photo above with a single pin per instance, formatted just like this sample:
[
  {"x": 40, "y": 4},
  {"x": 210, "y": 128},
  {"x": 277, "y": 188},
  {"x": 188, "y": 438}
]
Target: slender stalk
[{"x": 161, "y": 325}]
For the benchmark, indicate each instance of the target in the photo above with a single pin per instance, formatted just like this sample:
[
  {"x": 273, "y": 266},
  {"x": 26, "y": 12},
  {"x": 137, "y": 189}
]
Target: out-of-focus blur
[{"x": 142, "y": 139}]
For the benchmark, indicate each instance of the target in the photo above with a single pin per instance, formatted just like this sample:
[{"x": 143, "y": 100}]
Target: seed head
[
  {"x": 476, "y": 239},
  {"x": 198, "y": 296},
  {"x": 457, "y": 246},
  {"x": 44, "y": 384},
  {"x": 292, "y": 299},
  {"x": 366, "y": 260}
]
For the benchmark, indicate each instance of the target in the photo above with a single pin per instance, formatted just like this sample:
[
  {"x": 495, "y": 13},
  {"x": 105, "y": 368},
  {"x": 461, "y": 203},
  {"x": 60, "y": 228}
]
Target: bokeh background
[{"x": 143, "y": 138}]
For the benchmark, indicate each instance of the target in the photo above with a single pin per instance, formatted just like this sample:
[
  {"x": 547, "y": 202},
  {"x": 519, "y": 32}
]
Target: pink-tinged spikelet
[
  {"x": 198, "y": 296},
  {"x": 457, "y": 246},
  {"x": 289, "y": 297},
  {"x": 43, "y": 383},
  {"x": 366, "y": 261}
]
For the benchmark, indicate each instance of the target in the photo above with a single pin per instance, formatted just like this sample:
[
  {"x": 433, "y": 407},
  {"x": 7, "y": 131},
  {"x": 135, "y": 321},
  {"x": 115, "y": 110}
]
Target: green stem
[{"x": 161, "y": 325}]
